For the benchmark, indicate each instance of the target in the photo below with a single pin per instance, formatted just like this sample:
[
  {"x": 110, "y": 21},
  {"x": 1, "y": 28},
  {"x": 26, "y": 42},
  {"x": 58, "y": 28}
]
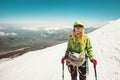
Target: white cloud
[
  {"x": 37, "y": 27},
  {"x": 2, "y": 34},
  {"x": 31, "y": 28},
  {"x": 8, "y": 34},
  {"x": 13, "y": 34}
]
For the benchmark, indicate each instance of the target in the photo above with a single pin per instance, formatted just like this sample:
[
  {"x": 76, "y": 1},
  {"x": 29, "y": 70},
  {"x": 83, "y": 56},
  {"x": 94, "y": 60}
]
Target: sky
[{"x": 91, "y": 12}]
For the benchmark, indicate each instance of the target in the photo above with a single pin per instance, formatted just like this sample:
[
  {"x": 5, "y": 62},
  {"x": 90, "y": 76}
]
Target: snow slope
[{"x": 45, "y": 64}]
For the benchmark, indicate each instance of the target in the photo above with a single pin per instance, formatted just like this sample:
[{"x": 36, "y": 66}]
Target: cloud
[
  {"x": 2, "y": 34},
  {"x": 8, "y": 34},
  {"x": 11, "y": 34},
  {"x": 31, "y": 28},
  {"x": 46, "y": 27}
]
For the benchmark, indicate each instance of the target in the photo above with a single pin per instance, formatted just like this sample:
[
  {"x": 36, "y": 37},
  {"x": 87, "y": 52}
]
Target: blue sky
[{"x": 64, "y": 11}]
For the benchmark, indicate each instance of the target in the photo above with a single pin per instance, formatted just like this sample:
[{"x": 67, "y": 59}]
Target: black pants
[{"x": 81, "y": 70}]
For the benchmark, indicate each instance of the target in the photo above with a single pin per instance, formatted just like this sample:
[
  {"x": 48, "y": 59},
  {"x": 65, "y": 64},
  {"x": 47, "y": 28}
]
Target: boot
[
  {"x": 74, "y": 78},
  {"x": 82, "y": 77}
]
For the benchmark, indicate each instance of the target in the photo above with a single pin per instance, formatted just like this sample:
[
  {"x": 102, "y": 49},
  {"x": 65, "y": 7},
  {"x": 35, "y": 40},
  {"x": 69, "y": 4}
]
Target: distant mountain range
[{"x": 14, "y": 36}]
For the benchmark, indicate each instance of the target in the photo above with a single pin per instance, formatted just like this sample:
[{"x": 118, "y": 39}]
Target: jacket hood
[{"x": 78, "y": 23}]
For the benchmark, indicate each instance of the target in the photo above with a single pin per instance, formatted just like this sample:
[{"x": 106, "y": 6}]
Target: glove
[
  {"x": 63, "y": 59},
  {"x": 94, "y": 61}
]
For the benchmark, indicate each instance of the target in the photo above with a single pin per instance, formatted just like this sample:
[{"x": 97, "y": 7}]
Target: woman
[{"x": 78, "y": 43}]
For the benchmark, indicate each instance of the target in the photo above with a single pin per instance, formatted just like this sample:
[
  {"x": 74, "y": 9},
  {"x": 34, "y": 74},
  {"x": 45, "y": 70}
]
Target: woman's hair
[{"x": 80, "y": 36}]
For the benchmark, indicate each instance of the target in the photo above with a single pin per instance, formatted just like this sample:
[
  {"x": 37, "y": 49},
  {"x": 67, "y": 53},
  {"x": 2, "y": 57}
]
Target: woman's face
[{"x": 78, "y": 30}]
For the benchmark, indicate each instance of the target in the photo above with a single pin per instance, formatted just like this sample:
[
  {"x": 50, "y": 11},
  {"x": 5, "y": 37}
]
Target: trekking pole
[
  {"x": 95, "y": 72},
  {"x": 63, "y": 71}
]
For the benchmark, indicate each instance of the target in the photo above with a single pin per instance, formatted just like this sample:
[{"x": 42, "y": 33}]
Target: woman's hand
[
  {"x": 94, "y": 61},
  {"x": 63, "y": 59}
]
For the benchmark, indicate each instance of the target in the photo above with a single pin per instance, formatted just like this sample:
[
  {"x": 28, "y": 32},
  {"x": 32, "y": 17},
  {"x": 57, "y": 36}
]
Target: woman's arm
[{"x": 89, "y": 48}]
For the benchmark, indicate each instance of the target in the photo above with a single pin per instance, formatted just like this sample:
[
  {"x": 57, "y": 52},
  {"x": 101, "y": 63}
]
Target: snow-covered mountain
[{"x": 45, "y": 64}]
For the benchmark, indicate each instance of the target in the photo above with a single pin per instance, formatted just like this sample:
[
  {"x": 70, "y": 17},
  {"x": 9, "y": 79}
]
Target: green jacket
[{"x": 86, "y": 47}]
